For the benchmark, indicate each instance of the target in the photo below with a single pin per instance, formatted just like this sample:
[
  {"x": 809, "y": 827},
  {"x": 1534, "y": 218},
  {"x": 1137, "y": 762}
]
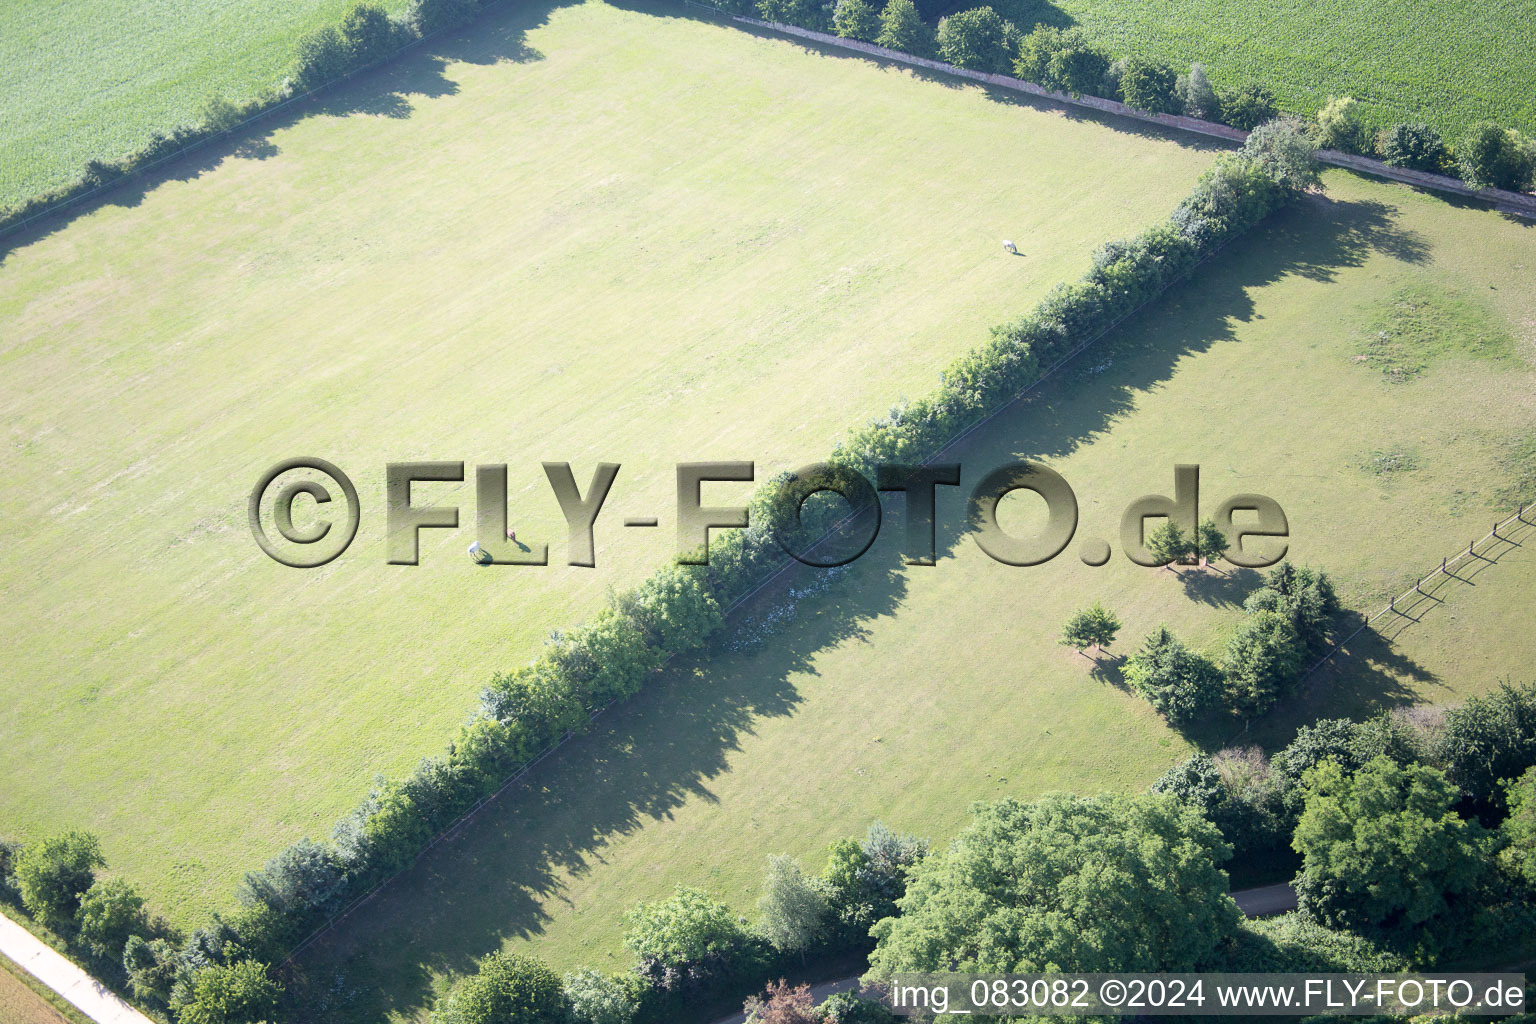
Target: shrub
[
  {"x": 599, "y": 999},
  {"x": 1295, "y": 943},
  {"x": 218, "y": 114},
  {"x": 1182, "y": 685},
  {"x": 866, "y": 879},
  {"x": 1518, "y": 832},
  {"x": 974, "y": 39},
  {"x": 1282, "y": 151},
  {"x": 686, "y": 941},
  {"x": 1415, "y": 146},
  {"x": 110, "y": 911},
  {"x": 505, "y": 987},
  {"x": 1062, "y": 59},
  {"x": 811, "y": 14},
  {"x": 1024, "y": 888},
  {"x": 849, "y": 1008},
  {"x": 902, "y": 28},
  {"x": 320, "y": 57},
  {"x": 429, "y": 16},
  {"x": 1149, "y": 85},
  {"x": 1237, "y": 807},
  {"x": 780, "y": 1004},
  {"x": 150, "y": 966},
  {"x": 1383, "y": 853},
  {"x": 794, "y": 908},
  {"x": 1339, "y": 126},
  {"x": 1248, "y": 107},
  {"x": 1494, "y": 157},
  {"x": 856, "y": 19},
  {"x": 1196, "y": 95},
  {"x": 1490, "y": 739},
  {"x": 367, "y": 34},
  {"x": 238, "y": 993},
  {"x": 53, "y": 874},
  {"x": 303, "y": 877}
]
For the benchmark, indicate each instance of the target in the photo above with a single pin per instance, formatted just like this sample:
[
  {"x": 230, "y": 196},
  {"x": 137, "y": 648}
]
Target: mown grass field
[
  {"x": 615, "y": 236},
  {"x": 88, "y": 81},
  {"x": 1447, "y": 64},
  {"x": 904, "y": 694}
]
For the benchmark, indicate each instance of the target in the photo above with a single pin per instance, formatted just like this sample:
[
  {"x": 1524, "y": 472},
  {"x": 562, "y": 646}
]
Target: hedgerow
[{"x": 525, "y": 711}]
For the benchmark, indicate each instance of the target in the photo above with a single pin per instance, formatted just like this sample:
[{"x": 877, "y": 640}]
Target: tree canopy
[
  {"x": 1112, "y": 883},
  {"x": 1383, "y": 852}
]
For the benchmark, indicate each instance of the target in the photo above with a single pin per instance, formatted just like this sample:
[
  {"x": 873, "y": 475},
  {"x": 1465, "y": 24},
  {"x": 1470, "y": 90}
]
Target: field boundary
[
  {"x": 1519, "y": 203},
  {"x": 787, "y": 566},
  {"x": 1446, "y": 568}
]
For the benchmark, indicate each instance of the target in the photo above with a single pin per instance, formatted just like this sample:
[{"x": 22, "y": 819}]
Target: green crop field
[
  {"x": 1447, "y": 64},
  {"x": 616, "y": 237},
  {"x": 904, "y": 694},
  {"x": 93, "y": 81}
]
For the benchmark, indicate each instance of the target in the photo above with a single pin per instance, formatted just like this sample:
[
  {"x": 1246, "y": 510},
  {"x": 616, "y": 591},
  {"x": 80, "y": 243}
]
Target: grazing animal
[{"x": 1010, "y": 247}]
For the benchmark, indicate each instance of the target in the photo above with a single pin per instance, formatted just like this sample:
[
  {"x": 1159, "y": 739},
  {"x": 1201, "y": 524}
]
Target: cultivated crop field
[
  {"x": 904, "y": 694},
  {"x": 83, "y": 81},
  {"x": 614, "y": 236},
  {"x": 1447, "y": 64}
]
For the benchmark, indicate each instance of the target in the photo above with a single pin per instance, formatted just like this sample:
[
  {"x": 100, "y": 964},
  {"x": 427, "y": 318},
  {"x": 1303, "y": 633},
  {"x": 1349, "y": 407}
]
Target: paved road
[
  {"x": 81, "y": 990},
  {"x": 1264, "y": 901}
]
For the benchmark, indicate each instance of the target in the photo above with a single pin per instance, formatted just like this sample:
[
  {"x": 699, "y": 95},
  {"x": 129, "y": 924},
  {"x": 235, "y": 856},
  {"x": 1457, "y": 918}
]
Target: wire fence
[{"x": 1446, "y": 569}]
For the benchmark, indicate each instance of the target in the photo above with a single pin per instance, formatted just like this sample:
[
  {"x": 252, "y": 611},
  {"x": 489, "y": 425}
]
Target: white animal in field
[
  {"x": 1010, "y": 247},
  {"x": 474, "y": 551}
]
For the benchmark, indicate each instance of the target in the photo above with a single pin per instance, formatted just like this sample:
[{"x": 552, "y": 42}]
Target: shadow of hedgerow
[
  {"x": 491, "y": 882},
  {"x": 386, "y": 91}
]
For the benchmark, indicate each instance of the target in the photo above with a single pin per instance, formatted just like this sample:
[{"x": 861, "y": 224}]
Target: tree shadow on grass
[
  {"x": 391, "y": 90},
  {"x": 1220, "y": 587},
  {"x": 493, "y": 880}
]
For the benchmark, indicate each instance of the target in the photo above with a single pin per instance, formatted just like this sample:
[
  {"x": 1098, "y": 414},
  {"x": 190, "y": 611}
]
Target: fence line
[{"x": 1444, "y": 568}]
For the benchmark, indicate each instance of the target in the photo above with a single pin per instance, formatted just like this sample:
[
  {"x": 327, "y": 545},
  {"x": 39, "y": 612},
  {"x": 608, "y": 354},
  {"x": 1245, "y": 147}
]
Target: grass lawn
[
  {"x": 1447, "y": 64},
  {"x": 904, "y": 694},
  {"x": 608, "y": 235}
]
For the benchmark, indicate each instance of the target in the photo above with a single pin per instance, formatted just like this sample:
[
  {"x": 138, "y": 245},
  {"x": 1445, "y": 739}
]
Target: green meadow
[
  {"x": 904, "y": 694},
  {"x": 600, "y": 235}
]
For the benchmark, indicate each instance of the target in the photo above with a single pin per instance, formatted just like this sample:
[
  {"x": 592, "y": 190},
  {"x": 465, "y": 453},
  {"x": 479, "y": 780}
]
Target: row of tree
[
  {"x": 1066, "y": 60},
  {"x": 526, "y": 711},
  {"x": 364, "y": 36},
  {"x": 1415, "y": 834},
  {"x": 1285, "y": 625},
  {"x": 690, "y": 946},
  {"x": 103, "y": 921}
]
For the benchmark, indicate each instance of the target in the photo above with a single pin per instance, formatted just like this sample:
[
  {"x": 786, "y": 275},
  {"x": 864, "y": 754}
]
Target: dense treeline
[
  {"x": 692, "y": 948},
  {"x": 1398, "y": 872},
  {"x": 1414, "y": 827},
  {"x": 1486, "y": 155}
]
